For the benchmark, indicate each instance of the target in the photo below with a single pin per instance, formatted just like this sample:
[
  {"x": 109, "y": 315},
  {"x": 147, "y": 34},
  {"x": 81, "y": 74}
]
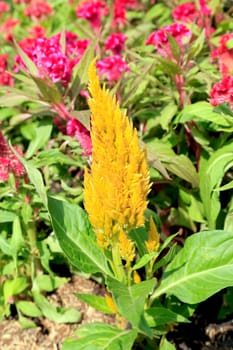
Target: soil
[{"x": 202, "y": 333}]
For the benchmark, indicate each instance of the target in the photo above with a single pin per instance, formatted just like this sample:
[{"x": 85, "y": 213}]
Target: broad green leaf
[
  {"x": 28, "y": 308},
  {"x": 179, "y": 165},
  {"x": 203, "y": 111},
  {"x": 130, "y": 301},
  {"x": 6, "y": 216},
  {"x": 49, "y": 283},
  {"x": 99, "y": 303},
  {"x": 211, "y": 174},
  {"x": 53, "y": 156},
  {"x": 158, "y": 316},
  {"x": 56, "y": 314},
  {"x": 74, "y": 234},
  {"x": 201, "y": 268},
  {"x": 42, "y": 136},
  {"x": 14, "y": 287},
  {"x": 100, "y": 336}
]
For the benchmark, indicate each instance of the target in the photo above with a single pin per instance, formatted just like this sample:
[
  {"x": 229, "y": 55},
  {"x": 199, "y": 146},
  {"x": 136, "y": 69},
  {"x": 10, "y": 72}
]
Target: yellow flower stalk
[{"x": 117, "y": 185}]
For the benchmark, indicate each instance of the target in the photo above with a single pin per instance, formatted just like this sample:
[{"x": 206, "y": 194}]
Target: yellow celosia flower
[
  {"x": 116, "y": 187},
  {"x": 152, "y": 244}
]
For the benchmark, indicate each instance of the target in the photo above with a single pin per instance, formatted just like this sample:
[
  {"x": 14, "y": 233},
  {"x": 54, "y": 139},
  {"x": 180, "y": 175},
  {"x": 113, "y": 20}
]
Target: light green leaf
[
  {"x": 130, "y": 301},
  {"x": 100, "y": 336},
  {"x": 6, "y": 216},
  {"x": 179, "y": 165},
  {"x": 166, "y": 345},
  {"x": 41, "y": 137},
  {"x": 56, "y": 314},
  {"x": 28, "y": 308},
  {"x": 203, "y": 111},
  {"x": 159, "y": 316},
  {"x": 75, "y": 237},
  {"x": 14, "y": 287},
  {"x": 211, "y": 174},
  {"x": 228, "y": 186},
  {"x": 200, "y": 269},
  {"x": 49, "y": 283},
  {"x": 95, "y": 301}
]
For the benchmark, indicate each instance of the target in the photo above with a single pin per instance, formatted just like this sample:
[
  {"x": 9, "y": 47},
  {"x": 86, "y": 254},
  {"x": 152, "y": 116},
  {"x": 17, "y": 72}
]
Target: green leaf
[
  {"x": 130, "y": 301},
  {"x": 159, "y": 316},
  {"x": 211, "y": 174},
  {"x": 203, "y": 111},
  {"x": 49, "y": 283},
  {"x": 100, "y": 336},
  {"x": 36, "y": 178},
  {"x": 166, "y": 345},
  {"x": 201, "y": 268},
  {"x": 228, "y": 186},
  {"x": 17, "y": 240},
  {"x": 74, "y": 234},
  {"x": 144, "y": 260},
  {"x": 80, "y": 71},
  {"x": 41, "y": 137},
  {"x": 95, "y": 301},
  {"x": 179, "y": 165},
  {"x": 14, "y": 287},
  {"x": 56, "y": 314},
  {"x": 28, "y": 308},
  {"x": 6, "y": 216},
  {"x": 169, "y": 67},
  {"x": 48, "y": 89},
  {"x": 26, "y": 60}
]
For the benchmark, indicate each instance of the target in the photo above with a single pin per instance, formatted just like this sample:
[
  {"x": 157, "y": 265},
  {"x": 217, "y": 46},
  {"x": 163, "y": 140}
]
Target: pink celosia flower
[
  {"x": 77, "y": 129},
  {"x": 7, "y": 28},
  {"x": 4, "y": 7},
  {"x": 186, "y": 12},
  {"x": 92, "y": 11},
  {"x": 112, "y": 67},
  {"x": 9, "y": 163},
  {"x": 224, "y": 55},
  {"x": 222, "y": 92},
  {"x": 3, "y": 62},
  {"x": 38, "y": 10},
  {"x": 6, "y": 79},
  {"x": 120, "y": 11},
  {"x": 115, "y": 43},
  {"x": 49, "y": 57},
  {"x": 37, "y": 32},
  {"x": 159, "y": 38}
]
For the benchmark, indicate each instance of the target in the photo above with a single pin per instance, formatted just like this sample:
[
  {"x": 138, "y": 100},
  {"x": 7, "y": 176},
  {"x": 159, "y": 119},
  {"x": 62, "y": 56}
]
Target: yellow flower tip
[
  {"x": 127, "y": 249},
  {"x": 153, "y": 242},
  {"x": 136, "y": 277},
  {"x": 111, "y": 304}
]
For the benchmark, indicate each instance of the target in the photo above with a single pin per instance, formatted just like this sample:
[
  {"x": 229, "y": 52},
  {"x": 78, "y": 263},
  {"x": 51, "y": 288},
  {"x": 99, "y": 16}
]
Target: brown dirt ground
[
  {"x": 49, "y": 335},
  {"x": 201, "y": 334}
]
